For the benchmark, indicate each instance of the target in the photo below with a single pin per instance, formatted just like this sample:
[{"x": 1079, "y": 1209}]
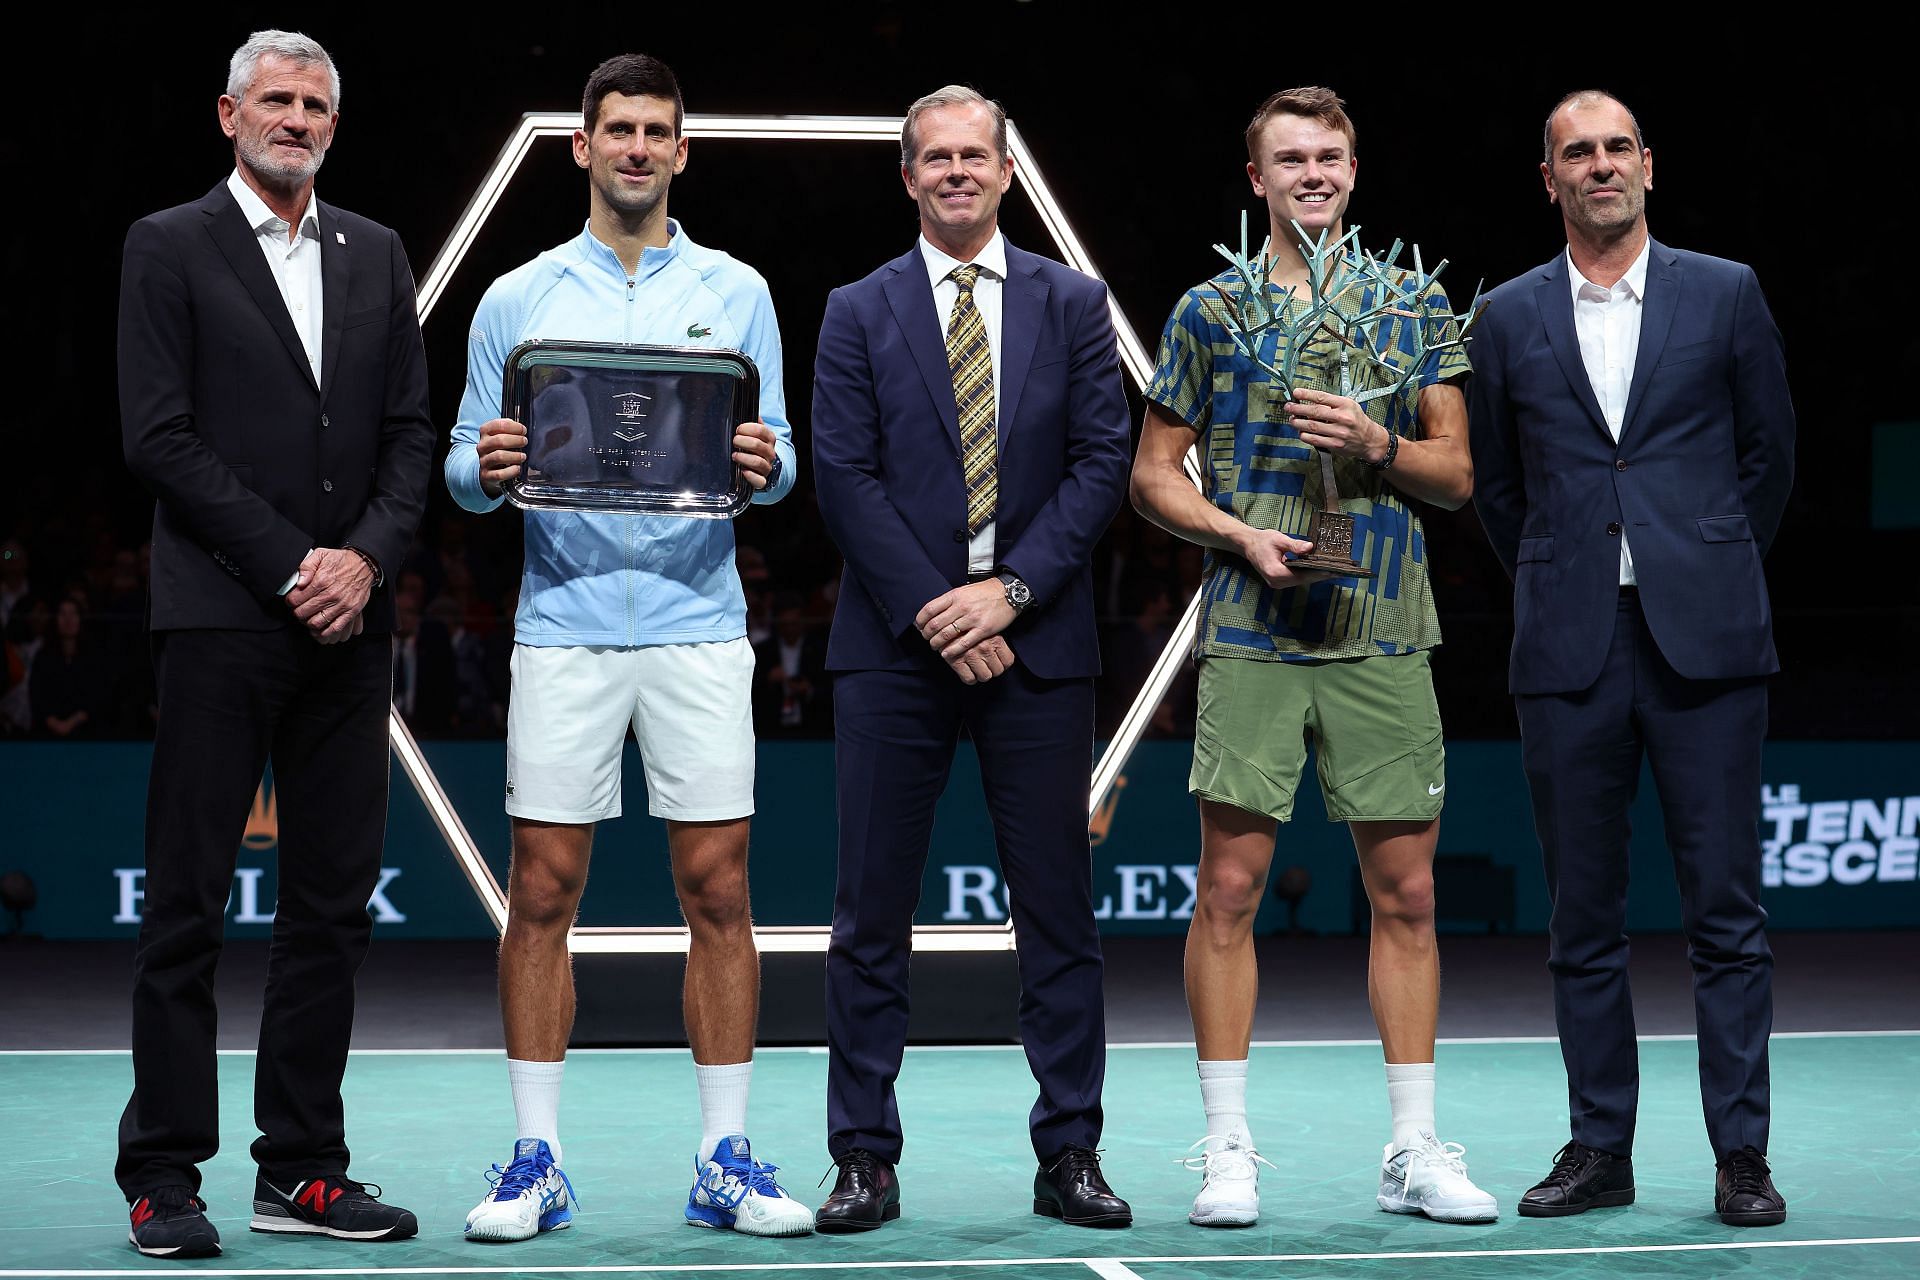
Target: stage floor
[
  {"x": 428, "y": 1111},
  {"x": 426, "y": 1125}
]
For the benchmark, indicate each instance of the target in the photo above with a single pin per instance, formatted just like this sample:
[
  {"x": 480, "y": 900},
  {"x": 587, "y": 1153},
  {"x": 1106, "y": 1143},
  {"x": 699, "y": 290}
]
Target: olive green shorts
[{"x": 1374, "y": 722}]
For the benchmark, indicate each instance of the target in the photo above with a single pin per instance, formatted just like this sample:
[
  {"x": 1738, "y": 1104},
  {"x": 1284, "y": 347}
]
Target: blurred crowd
[
  {"x": 73, "y": 592},
  {"x": 73, "y": 619}
]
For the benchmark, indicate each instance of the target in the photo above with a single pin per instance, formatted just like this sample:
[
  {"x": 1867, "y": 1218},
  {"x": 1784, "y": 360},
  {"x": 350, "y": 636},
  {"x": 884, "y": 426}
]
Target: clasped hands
[
  {"x": 963, "y": 627},
  {"x": 330, "y": 593}
]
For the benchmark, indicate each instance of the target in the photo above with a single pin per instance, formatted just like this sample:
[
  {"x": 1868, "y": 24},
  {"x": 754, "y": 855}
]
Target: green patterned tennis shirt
[{"x": 1257, "y": 468}]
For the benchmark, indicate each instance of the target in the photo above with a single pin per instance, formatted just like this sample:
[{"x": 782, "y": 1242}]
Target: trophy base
[
  {"x": 1331, "y": 533},
  {"x": 1337, "y": 566}
]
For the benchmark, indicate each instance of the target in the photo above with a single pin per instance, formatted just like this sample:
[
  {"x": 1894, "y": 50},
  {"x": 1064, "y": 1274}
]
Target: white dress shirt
[
  {"x": 992, "y": 261},
  {"x": 1607, "y": 322},
  {"x": 295, "y": 264},
  {"x": 296, "y": 269}
]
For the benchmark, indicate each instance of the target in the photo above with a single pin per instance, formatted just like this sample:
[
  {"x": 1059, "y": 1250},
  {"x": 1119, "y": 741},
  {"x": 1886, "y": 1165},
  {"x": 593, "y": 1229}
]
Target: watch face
[{"x": 1019, "y": 594}]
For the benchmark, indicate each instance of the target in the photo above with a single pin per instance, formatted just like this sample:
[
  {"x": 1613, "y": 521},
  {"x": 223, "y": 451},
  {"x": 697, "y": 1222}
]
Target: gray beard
[{"x": 269, "y": 164}]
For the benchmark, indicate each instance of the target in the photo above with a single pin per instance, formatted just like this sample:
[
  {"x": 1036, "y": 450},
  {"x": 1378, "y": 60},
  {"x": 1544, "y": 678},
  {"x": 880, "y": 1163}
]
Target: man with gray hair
[
  {"x": 970, "y": 446},
  {"x": 273, "y": 396}
]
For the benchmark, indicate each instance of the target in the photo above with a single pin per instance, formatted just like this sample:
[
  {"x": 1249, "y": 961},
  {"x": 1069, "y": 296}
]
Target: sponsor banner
[
  {"x": 1808, "y": 843},
  {"x": 1837, "y": 829}
]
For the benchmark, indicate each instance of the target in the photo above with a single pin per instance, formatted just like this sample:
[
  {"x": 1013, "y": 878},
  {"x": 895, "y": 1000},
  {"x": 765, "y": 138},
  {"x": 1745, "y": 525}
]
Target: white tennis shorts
[{"x": 691, "y": 709}]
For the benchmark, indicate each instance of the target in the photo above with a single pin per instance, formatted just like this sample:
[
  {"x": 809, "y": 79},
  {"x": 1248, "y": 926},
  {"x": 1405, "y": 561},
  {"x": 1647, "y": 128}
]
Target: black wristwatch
[{"x": 1019, "y": 594}]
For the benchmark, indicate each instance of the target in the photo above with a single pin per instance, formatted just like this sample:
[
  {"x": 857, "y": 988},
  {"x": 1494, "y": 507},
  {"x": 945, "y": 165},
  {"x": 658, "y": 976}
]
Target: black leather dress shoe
[
  {"x": 1583, "y": 1178},
  {"x": 1072, "y": 1190},
  {"x": 865, "y": 1195},
  {"x": 1743, "y": 1193}
]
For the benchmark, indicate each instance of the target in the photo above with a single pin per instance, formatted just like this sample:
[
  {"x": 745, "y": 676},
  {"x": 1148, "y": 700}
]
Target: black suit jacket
[
  {"x": 1698, "y": 480},
  {"x": 252, "y": 462}
]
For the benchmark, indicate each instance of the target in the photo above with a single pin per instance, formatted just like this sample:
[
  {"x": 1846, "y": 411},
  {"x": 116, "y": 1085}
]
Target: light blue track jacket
[{"x": 619, "y": 580}]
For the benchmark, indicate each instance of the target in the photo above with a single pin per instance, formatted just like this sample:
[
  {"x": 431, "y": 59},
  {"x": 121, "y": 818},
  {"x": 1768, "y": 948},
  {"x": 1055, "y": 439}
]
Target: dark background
[{"x": 1786, "y": 151}]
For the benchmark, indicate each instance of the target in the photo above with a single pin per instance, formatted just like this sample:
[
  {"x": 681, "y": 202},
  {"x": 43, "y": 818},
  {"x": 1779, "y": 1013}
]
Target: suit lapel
[
  {"x": 1656, "y": 321},
  {"x": 911, "y": 298},
  {"x": 334, "y": 249},
  {"x": 240, "y": 247},
  {"x": 1555, "y": 300},
  {"x": 1023, "y": 303}
]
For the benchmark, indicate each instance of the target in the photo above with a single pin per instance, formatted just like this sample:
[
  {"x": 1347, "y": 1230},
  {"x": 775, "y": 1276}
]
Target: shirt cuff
[{"x": 293, "y": 581}]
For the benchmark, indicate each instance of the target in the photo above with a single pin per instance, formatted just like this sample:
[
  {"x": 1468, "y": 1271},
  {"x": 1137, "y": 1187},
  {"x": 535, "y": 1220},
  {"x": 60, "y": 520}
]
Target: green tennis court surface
[{"x": 1846, "y": 1145}]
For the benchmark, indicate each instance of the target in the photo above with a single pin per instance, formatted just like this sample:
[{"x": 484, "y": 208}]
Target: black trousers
[
  {"x": 1583, "y": 753},
  {"x": 894, "y": 738},
  {"x": 230, "y": 701}
]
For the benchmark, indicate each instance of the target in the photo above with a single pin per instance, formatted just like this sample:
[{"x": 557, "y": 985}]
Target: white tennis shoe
[
  {"x": 1431, "y": 1178},
  {"x": 1229, "y": 1183}
]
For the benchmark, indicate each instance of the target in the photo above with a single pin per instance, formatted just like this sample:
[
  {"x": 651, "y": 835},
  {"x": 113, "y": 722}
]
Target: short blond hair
[
  {"x": 953, "y": 95},
  {"x": 1310, "y": 101}
]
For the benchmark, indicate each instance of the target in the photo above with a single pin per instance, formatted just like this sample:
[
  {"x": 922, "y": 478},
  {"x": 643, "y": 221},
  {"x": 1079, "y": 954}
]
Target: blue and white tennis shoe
[
  {"x": 734, "y": 1192},
  {"x": 529, "y": 1196}
]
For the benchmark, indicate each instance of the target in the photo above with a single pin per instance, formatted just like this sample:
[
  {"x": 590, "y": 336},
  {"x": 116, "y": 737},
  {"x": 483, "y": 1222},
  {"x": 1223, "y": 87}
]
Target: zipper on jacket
[{"x": 630, "y": 524}]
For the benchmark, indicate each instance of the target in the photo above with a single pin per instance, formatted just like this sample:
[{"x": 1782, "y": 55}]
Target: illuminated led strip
[
  {"x": 447, "y": 818},
  {"x": 647, "y": 940},
  {"x": 1027, "y": 170},
  {"x": 561, "y": 124},
  {"x": 651, "y": 940},
  {"x": 1166, "y": 668},
  {"x": 1134, "y": 356}
]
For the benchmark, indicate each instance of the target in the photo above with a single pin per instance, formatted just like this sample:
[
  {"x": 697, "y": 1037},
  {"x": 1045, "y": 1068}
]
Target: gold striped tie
[{"x": 972, "y": 366}]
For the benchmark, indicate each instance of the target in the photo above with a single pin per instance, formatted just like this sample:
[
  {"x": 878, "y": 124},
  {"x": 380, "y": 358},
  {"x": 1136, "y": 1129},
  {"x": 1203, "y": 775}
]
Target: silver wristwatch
[{"x": 1019, "y": 594}]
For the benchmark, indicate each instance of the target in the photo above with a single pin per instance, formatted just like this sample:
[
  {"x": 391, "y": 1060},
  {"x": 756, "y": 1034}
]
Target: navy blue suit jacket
[
  {"x": 886, "y": 448},
  {"x": 1698, "y": 480}
]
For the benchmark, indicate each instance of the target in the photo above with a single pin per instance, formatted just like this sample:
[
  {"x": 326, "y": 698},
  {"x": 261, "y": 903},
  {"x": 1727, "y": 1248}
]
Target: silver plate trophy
[
  {"x": 1366, "y": 310},
  {"x": 630, "y": 430}
]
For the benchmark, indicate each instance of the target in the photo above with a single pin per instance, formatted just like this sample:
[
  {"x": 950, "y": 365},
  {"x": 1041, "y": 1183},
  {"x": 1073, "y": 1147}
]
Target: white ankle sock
[
  {"x": 723, "y": 1102},
  {"x": 1410, "y": 1096},
  {"x": 1223, "y": 1094},
  {"x": 536, "y": 1101}
]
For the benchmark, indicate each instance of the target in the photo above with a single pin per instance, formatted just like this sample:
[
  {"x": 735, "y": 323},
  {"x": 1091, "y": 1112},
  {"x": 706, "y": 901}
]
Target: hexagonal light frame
[{"x": 792, "y": 938}]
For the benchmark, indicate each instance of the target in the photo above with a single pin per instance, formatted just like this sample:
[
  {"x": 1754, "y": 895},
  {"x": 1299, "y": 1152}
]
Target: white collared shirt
[
  {"x": 296, "y": 269},
  {"x": 992, "y": 261},
  {"x": 295, "y": 265},
  {"x": 1607, "y": 323}
]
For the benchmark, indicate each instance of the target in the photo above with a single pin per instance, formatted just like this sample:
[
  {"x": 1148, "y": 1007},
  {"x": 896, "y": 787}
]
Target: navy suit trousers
[
  {"x": 895, "y": 733},
  {"x": 1582, "y": 753}
]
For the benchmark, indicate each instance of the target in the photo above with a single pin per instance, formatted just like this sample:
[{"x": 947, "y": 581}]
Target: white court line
[
  {"x": 1120, "y": 1264},
  {"x": 967, "y": 1048},
  {"x": 1112, "y": 1269}
]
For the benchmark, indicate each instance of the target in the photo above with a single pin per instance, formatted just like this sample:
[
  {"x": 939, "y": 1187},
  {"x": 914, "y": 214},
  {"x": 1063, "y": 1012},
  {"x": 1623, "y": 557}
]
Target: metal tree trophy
[{"x": 1383, "y": 322}]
